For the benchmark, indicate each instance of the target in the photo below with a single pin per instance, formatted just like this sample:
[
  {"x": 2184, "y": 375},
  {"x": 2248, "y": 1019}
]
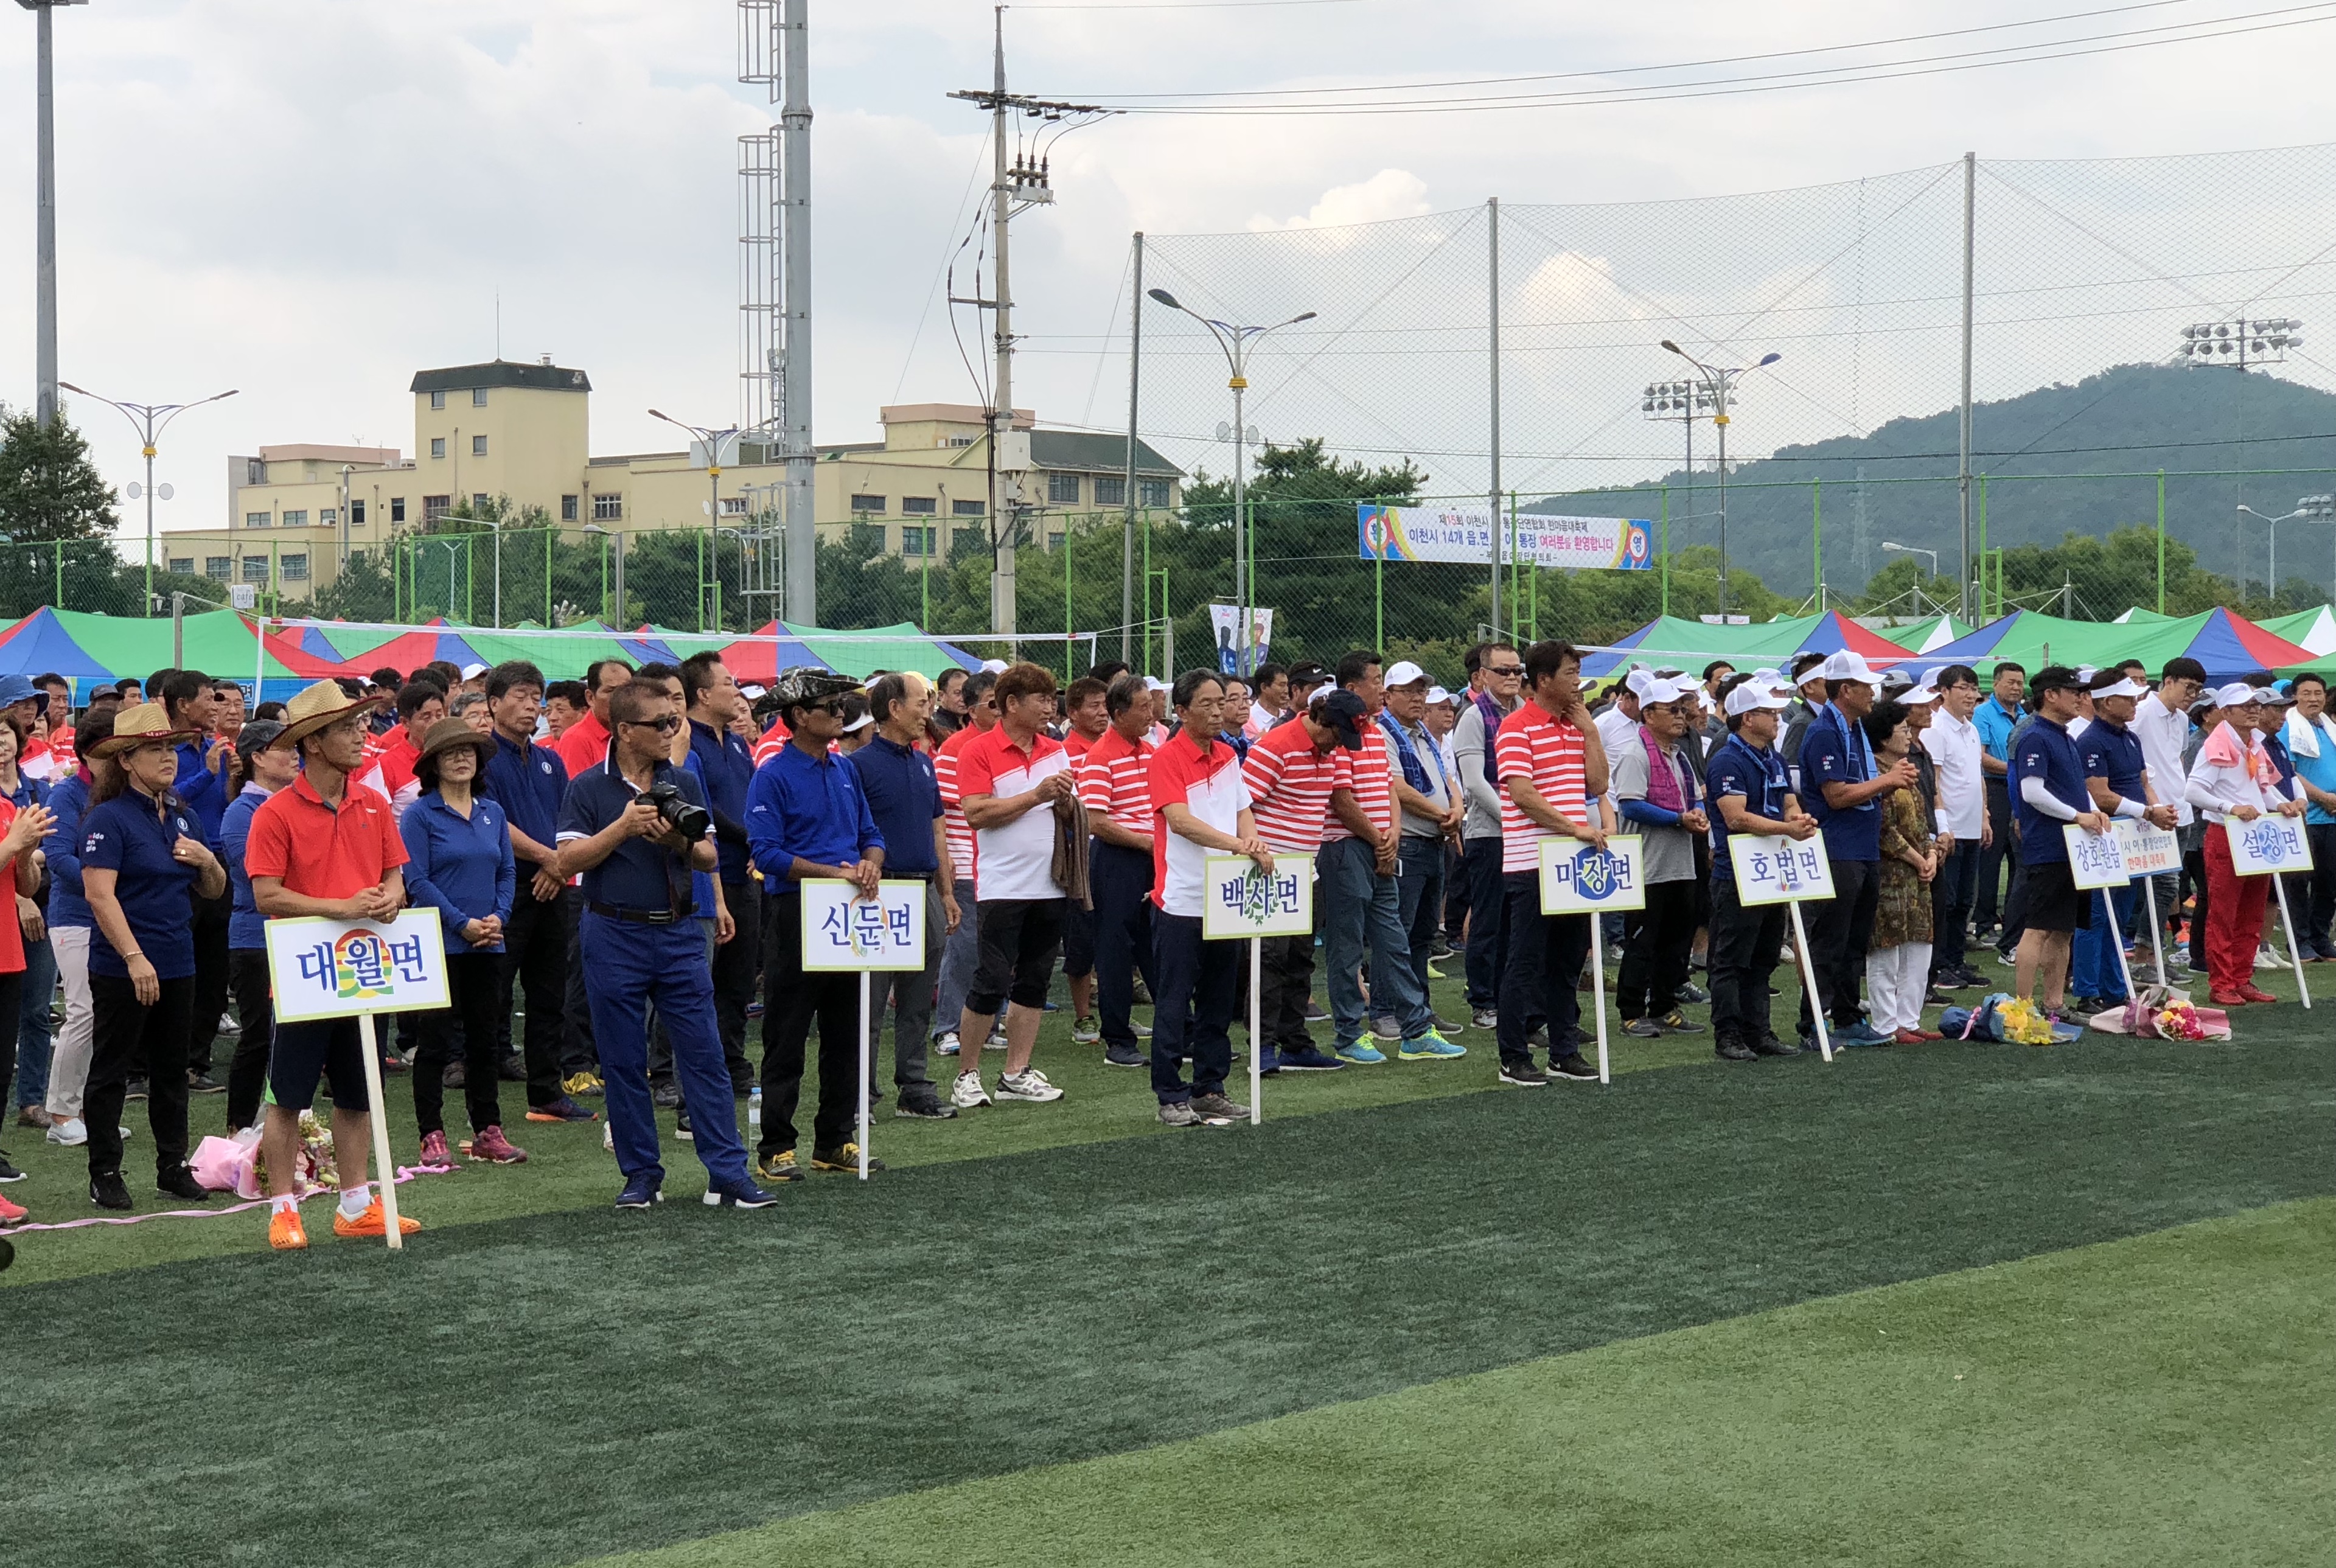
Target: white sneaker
[
  {"x": 230, "y": 1024},
  {"x": 73, "y": 1132},
  {"x": 946, "y": 1044},
  {"x": 967, "y": 1094},
  {"x": 996, "y": 1041},
  {"x": 2267, "y": 960},
  {"x": 1029, "y": 1083}
]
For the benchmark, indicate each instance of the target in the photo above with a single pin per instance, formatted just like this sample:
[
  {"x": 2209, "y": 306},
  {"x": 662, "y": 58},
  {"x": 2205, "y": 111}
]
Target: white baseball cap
[
  {"x": 1848, "y": 665},
  {"x": 1639, "y": 678},
  {"x": 862, "y": 722},
  {"x": 1405, "y": 673},
  {"x": 1153, "y": 683},
  {"x": 1917, "y": 696},
  {"x": 1437, "y": 694},
  {"x": 1657, "y": 690},
  {"x": 474, "y": 671},
  {"x": 2272, "y": 694},
  {"x": 1747, "y": 695},
  {"x": 2234, "y": 694},
  {"x": 1767, "y": 675},
  {"x": 2128, "y": 686},
  {"x": 993, "y": 667}
]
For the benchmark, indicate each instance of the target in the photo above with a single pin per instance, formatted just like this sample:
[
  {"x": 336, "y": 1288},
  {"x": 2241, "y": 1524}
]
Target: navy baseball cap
[{"x": 1342, "y": 710}]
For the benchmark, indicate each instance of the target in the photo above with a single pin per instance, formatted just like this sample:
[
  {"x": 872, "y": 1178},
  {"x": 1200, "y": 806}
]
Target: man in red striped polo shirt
[
  {"x": 1292, "y": 772},
  {"x": 1550, "y": 769},
  {"x": 962, "y": 957},
  {"x": 1083, "y": 723},
  {"x": 1361, "y": 903},
  {"x": 1201, "y": 806},
  {"x": 1114, "y": 783}
]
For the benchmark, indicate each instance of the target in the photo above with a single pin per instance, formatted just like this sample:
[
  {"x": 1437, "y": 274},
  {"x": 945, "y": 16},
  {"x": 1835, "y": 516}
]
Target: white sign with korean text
[
  {"x": 1238, "y": 900},
  {"x": 843, "y": 931},
  {"x": 1776, "y": 870},
  {"x": 2095, "y": 860},
  {"x": 1580, "y": 879},
  {"x": 322, "y": 969},
  {"x": 2148, "y": 850},
  {"x": 2270, "y": 843}
]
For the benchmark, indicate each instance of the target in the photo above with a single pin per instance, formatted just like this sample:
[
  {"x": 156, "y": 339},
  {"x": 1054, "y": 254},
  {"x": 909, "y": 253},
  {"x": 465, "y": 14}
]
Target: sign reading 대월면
[
  {"x": 1563, "y": 543},
  {"x": 2095, "y": 860},
  {"x": 1580, "y": 879},
  {"x": 321, "y": 968},
  {"x": 2148, "y": 850},
  {"x": 843, "y": 931},
  {"x": 2270, "y": 843},
  {"x": 1239, "y": 900},
  {"x": 1776, "y": 870}
]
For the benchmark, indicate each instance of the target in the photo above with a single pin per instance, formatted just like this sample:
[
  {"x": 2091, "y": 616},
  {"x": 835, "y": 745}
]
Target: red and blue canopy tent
[{"x": 2227, "y": 644}]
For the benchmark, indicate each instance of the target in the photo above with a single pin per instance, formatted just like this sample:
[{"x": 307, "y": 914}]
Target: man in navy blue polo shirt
[
  {"x": 806, "y": 818},
  {"x": 1842, "y": 789},
  {"x": 2048, "y": 774},
  {"x": 2117, "y": 777},
  {"x": 529, "y": 782},
  {"x": 210, "y": 774},
  {"x": 1750, "y": 793},
  {"x": 724, "y": 761},
  {"x": 640, "y": 941},
  {"x": 904, "y": 800}
]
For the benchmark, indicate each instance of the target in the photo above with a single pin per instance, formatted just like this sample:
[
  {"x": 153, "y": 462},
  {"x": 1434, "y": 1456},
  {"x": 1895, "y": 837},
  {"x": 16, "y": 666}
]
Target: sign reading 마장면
[
  {"x": 1580, "y": 879},
  {"x": 321, "y": 968},
  {"x": 1561, "y": 543}
]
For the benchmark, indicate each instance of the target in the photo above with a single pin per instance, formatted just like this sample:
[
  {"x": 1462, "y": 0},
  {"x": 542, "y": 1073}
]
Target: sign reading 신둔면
[
  {"x": 2270, "y": 843},
  {"x": 1239, "y": 900},
  {"x": 2095, "y": 860},
  {"x": 1776, "y": 870},
  {"x": 843, "y": 931},
  {"x": 1580, "y": 879},
  {"x": 321, "y": 968},
  {"x": 2148, "y": 850}
]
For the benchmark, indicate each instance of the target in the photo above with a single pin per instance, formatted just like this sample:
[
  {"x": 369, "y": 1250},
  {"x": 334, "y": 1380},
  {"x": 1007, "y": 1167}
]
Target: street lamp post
[
  {"x": 44, "y": 210},
  {"x": 1719, "y": 382},
  {"x": 713, "y": 438},
  {"x": 2311, "y": 508},
  {"x": 496, "y": 525},
  {"x": 150, "y": 420},
  {"x": 1895, "y": 547},
  {"x": 1237, "y": 342}
]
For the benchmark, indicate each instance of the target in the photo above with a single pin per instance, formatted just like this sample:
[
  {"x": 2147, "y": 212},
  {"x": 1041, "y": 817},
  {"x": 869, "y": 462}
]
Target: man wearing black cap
[{"x": 2048, "y": 771}]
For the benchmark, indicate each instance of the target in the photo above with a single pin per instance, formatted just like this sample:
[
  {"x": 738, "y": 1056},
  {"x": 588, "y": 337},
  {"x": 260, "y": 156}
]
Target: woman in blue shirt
[
  {"x": 142, "y": 862},
  {"x": 266, "y": 768},
  {"x": 461, "y": 866}
]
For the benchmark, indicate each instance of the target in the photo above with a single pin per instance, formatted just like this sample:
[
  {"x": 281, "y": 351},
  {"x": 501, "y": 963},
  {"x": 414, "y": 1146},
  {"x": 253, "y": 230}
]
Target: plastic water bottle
[{"x": 754, "y": 1118}]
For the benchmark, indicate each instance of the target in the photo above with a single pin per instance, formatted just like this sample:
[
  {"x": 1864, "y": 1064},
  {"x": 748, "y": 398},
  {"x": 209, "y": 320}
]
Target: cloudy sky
[{"x": 308, "y": 200}]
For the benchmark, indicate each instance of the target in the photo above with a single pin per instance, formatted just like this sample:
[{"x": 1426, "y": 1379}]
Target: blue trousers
[
  {"x": 1200, "y": 984},
  {"x": 32, "y": 1024},
  {"x": 2093, "y": 968},
  {"x": 1419, "y": 901},
  {"x": 1121, "y": 881},
  {"x": 625, "y": 968},
  {"x": 1359, "y": 914}
]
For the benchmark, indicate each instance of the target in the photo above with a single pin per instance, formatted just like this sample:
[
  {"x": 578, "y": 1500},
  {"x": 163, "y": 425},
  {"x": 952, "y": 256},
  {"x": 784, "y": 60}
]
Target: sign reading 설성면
[
  {"x": 1561, "y": 543},
  {"x": 2272, "y": 843},
  {"x": 322, "y": 969},
  {"x": 1238, "y": 900}
]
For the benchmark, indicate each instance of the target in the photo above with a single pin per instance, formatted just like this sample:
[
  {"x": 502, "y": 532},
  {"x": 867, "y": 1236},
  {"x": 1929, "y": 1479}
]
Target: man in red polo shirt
[
  {"x": 585, "y": 744},
  {"x": 1115, "y": 784},
  {"x": 1550, "y": 769},
  {"x": 323, "y": 845},
  {"x": 1084, "y": 723},
  {"x": 421, "y": 702},
  {"x": 1291, "y": 771}
]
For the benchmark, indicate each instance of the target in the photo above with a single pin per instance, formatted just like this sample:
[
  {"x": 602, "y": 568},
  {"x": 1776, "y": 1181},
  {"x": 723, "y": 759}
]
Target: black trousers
[
  {"x": 1657, "y": 942},
  {"x": 1743, "y": 947},
  {"x": 535, "y": 955},
  {"x": 255, "y": 1009},
  {"x": 577, "y": 1051},
  {"x": 1286, "y": 978},
  {"x": 1200, "y": 986},
  {"x": 12, "y": 1000},
  {"x": 126, "y": 1037},
  {"x": 1488, "y": 921},
  {"x": 737, "y": 964},
  {"x": 1545, "y": 954},
  {"x": 473, "y": 985},
  {"x": 2194, "y": 866},
  {"x": 2322, "y": 877},
  {"x": 1121, "y": 881},
  {"x": 1838, "y": 932},
  {"x": 2004, "y": 845},
  {"x": 211, "y": 980},
  {"x": 796, "y": 1001}
]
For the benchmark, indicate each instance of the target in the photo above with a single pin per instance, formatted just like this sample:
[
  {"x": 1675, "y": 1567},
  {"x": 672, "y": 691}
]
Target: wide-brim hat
[
  {"x": 16, "y": 688},
  {"x": 147, "y": 723},
  {"x": 321, "y": 706},
  {"x": 451, "y": 734}
]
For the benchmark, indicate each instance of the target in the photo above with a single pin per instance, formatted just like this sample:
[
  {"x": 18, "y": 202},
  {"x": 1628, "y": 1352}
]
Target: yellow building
[{"x": 502, "y": 429}]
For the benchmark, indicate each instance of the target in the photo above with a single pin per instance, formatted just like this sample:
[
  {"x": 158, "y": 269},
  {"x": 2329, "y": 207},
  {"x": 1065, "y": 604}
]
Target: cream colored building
[{"x": 522, "y": 430}]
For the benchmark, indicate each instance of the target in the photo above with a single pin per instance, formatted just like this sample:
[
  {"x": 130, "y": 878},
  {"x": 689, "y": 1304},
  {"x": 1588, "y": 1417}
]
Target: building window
[
  {"x": 919, "y": 541},
  {"x": 918, "y": 505},
  {"x": 437, "y": 400},
  {"x": 969, "y": 508},
  {"x": 434, "y": 507},
  {"x": 255, "y": 471},
  {"x": 1152, "y": 492},
  {"x": 1110, "y": 490},
  {"x": 1054, "y": 541},
  {"x": 327, "y": 516},
  {"x": 257, "y": 519},
  {"x": 477, "y": 397},
  {"x": 185, "y": 563},
  {"x": 296, "y": 517},
  {"x": 479, "y": 501},
  {"x": 733, "y": 506},
  {"x": 397, "y": 509},
  {"x": 959, "y": 441},
  {"x": 1062, "y": 490},
  {"x": 221, "y": 567},
  {"x": 437, "y": 446},
  {"x": 478, "y": 446},
  {"x": 867, "y": 503},
  {"x": 567, "y": 509},
  {"x": 356, "y": 514},
  {"x": 295, "y": 568},
  {"x": 607, "y": 508},
  {"x": 254, "y": 569}
]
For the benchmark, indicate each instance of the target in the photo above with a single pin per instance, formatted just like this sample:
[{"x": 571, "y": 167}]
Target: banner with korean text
[{"x": 1463, "y": 535}]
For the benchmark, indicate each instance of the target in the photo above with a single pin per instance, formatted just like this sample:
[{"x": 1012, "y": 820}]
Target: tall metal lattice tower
[{"x": 774, "y": 304}]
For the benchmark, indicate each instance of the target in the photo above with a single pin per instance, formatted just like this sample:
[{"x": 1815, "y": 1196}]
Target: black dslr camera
[{"x": 691, "y": 822}]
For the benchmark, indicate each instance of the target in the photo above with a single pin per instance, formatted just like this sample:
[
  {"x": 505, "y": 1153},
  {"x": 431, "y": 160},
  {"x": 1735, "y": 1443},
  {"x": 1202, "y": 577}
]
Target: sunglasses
[
  {"x": 665, "y": 726},
  {"x": 1505, "y": 669}
]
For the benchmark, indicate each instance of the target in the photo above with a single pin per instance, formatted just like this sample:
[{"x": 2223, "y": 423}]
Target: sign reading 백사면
[
  {"x": 1239, "y": 900},
  {"x": 2095, "y": 860},
  {"x": 1461, "y": 535},
  {"x": 1580, "y": 879},
  {"x": 1776, "y": 870},
  {"x": 843, "y": 931},
  {"x": 321, "y": 968},
  {"x": 2272, "y": 843}
]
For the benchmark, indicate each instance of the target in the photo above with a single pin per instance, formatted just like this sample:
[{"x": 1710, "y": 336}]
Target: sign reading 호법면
[
  {"x": 1239, "y": 900},
  {"x": 843, "y": 931},
  {"x": 1771, "y": 868},
  {"x": 322, "y": 968},
  {"x": 1425, "y": 533}
]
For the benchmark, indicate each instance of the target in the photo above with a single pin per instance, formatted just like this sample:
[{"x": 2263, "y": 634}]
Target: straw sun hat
[
  {"x": 320, "y": 706},
  {"x": 144, "y": 725}
]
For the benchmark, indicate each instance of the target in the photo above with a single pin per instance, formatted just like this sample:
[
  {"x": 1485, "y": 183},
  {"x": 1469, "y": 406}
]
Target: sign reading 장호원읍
[
  {"x": 1465, "y": 535},
  {"x": 321, "y": 968},
  {"x": 2095, "y": 860}
]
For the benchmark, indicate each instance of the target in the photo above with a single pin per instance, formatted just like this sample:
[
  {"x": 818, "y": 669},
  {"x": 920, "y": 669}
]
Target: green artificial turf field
[{"x": 1427, "y": 1320}]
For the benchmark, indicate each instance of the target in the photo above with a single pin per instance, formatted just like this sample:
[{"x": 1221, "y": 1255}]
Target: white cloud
[{"x": 1389, "y": 193}]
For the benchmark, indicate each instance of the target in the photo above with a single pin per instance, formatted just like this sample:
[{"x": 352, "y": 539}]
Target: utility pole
[
  {"x": 1021, "y": 184},
  {"x": 801, "y": 552},
  {"x": 44, "y": 206},
  {"x": 1492, "y": 316},
  {"x": 1963, "y": 459}
]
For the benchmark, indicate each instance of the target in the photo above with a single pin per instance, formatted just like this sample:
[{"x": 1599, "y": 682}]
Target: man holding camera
[{"x": 636, "y": 829}]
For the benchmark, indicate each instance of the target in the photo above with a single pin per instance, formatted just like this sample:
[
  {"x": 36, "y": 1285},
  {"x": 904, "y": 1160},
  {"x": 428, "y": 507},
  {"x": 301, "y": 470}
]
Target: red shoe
[
  {"x": 1931, "y": 1034},
  {"x": 434, "y": 1151},
  {"x": 493, "y": 1147},
  {"x": 11, "y": 1213},
  {"x": 1911, "y": 1037},
  {"x": 2227, "y": 998},
  {"x": 2255, "y": 993}
]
